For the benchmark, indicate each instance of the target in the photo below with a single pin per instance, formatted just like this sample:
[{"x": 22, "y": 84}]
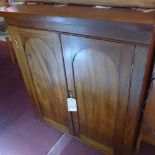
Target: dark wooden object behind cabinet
[
  {"x": 147, "y": 131},
  {"x": 104, "y": 65}
]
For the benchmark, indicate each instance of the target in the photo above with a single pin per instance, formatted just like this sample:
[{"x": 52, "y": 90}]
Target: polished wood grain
[
  {"x": 83, "y": 12},
  {"x": 133, "y": 33},
  {"x": 99, "y": 74},
  {"x": 43, "y": 53},
  {"x": 137, "y": 74},
  {"x": 44, "y": 57},
  {"x": 150, "y": 106},
  {"x": 106, "y": 62},
  {"x": 143, "y": 133},
  {"x": 131, "y": 25},
  {"x": 22, "y": 61},
  {"x": 147, "y": 130},
  {"x": 126, "y": 3}
]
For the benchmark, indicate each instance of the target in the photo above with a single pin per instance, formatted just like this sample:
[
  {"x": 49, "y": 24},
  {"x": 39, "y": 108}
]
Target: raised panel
[
  {"x": 96, "y": 82},
  {"x": 44, "y": 57},
  {"x": 99, "y": 72}
]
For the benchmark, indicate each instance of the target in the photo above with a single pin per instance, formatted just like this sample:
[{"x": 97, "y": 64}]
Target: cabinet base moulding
[
  {"x": 96, "y": 145},
  {"x": 56, "y": 125}
]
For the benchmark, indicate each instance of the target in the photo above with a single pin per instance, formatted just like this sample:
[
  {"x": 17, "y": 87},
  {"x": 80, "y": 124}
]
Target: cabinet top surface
[{"x": 84, "y": 12}]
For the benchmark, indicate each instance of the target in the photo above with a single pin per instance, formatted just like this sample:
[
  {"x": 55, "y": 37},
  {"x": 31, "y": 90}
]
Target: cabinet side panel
[
  {"x": 22, "y": 61},
  {"x": 134, "y": 98}
]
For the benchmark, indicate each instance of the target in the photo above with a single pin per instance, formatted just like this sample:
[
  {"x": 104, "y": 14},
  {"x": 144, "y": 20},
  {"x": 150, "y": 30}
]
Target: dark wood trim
[
  {"x": 70, "y": 118},
  {"x": 25, "y": 72},
  {"x": 123, "y": 3},
  {"x": 82, "y": 12},
  {"x": 149, "y": 69},
  {"x": 146, "y": 82},
  {"x": 105, "y": 29},
  {"x": 131, "y": 25}
]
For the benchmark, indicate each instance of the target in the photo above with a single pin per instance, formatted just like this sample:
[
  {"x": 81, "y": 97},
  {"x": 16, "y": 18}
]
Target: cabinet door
[
  {"x": 99, "y": 74},
  {"x": 44, "y": 57}
]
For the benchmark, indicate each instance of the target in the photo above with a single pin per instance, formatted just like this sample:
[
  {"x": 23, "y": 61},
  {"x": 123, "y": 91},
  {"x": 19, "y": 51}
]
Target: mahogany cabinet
[{"x": 104, "y": 65}]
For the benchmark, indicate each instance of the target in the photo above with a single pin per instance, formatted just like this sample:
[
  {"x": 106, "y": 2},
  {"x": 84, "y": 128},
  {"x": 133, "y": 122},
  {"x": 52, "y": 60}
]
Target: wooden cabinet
[
  {"x": 100, "y": 74},
  {"x": 104, "y": 65}
]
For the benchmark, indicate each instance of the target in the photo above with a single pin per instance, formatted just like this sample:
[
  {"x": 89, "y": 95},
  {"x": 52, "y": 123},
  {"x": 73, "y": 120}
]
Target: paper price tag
[{"x": 71, "y": 103}]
